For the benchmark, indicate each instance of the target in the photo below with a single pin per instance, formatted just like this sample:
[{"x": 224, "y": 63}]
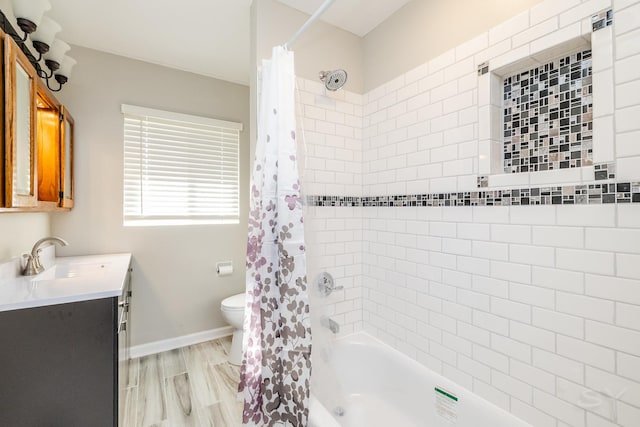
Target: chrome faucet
[
  {"x": 330, "y": 323},
  {"x": 33, "y": 265}
]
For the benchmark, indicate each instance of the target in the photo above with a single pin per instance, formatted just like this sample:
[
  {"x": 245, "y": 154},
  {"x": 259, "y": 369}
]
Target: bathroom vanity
[{"x": 62, "y": 334}]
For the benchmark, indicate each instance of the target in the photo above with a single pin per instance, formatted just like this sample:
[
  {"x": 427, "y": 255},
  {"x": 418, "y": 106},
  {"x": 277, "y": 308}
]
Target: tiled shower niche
[{"x": 548, "y": 115}]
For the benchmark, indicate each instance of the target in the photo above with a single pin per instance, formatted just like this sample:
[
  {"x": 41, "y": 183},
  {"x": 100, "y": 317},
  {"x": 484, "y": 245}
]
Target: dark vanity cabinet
[{"x": 59, "y": 363}]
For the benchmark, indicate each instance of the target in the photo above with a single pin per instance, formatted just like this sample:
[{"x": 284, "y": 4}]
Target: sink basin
[
  {"x": 72, "y": 270},
  {"x": 77, "y": 276},
  {"x": 69, "y": 279}
]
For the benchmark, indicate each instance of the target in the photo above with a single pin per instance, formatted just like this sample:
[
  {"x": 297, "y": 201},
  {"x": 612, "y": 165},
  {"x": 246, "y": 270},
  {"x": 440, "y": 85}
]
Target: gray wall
[
  {"x": 176, "y": 290},
  {"x": 19, "y": 231},
  {"x": 423, "y": 29}
]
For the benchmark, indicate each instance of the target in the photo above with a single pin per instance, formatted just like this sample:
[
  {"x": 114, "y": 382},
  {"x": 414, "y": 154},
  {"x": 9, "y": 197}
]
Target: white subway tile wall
[
  {"x": 334, "y": 242},
  {"x": 330, "y": 139},
  {"x": 534, "y": 308}
]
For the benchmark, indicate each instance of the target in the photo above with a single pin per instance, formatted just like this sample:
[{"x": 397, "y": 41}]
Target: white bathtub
[{"x": 378, "y": 386}]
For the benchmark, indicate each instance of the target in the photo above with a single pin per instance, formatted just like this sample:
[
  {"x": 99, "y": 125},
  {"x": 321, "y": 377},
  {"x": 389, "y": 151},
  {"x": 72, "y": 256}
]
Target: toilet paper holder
[{"x": 224, "y": 268}]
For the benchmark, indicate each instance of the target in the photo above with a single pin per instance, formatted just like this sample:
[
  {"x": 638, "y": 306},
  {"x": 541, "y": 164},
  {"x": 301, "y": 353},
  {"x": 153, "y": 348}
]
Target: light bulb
[
  {"x": 46, "y": 32},
  {"x": 29, "y": 13},
  {"x": 56, "y": 51},
  {"x": 65, "y": 66}
]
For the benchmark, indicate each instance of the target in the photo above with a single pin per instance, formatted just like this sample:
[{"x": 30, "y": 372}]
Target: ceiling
[
  {"x": 208, "y": 37},
  {"x": 356, "y": 16}
]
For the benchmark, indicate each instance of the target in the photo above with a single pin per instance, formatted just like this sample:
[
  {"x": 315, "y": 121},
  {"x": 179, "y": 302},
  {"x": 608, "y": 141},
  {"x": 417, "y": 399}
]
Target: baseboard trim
[{"x": 177, "y": 342}]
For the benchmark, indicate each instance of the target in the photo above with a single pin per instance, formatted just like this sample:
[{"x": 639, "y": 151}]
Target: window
[{"x": 179, "y": 169}]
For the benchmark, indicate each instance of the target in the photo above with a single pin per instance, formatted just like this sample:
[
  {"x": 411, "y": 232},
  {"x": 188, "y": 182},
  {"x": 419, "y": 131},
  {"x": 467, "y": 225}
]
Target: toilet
[{"x": 233, "y": 312}]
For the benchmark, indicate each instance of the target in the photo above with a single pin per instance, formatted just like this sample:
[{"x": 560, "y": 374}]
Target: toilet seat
[{"x": 234, "y": 303}]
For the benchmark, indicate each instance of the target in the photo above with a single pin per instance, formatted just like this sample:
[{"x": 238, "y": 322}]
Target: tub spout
[{"x": 330, "y": 324}]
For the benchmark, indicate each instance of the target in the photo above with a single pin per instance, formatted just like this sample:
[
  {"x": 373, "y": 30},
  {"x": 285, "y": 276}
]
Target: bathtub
[{"x": 381, "y": 387}]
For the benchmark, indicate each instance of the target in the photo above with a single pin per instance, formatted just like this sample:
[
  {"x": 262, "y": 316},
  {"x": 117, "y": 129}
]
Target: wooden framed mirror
[
  {"x": 48, "y": 126},
  {"x": 66, "y": 163},
  {"x": 20, "y": 133}
]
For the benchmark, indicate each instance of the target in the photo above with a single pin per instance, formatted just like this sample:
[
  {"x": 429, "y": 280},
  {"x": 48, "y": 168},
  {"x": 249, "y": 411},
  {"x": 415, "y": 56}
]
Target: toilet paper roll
[{"x": 225, "y": 270}]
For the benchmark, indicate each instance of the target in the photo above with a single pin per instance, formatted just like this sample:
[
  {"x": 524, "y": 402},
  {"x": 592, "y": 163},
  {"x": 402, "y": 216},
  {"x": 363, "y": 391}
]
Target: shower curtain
[{"x": 276, "y": 367}]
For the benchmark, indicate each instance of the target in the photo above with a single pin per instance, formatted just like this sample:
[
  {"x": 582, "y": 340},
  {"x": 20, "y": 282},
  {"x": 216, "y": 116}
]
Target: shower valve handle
[{"x": 326, "y": 285}]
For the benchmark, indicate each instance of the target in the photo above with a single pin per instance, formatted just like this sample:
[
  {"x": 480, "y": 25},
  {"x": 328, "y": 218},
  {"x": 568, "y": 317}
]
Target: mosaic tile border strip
[
  {"x": 584, "y": 194},
  {"x": 341, "y": 201}
]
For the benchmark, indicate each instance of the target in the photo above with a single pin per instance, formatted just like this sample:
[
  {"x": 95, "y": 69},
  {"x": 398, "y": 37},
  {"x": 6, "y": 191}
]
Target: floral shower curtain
[{"x": 276, "y": 368}]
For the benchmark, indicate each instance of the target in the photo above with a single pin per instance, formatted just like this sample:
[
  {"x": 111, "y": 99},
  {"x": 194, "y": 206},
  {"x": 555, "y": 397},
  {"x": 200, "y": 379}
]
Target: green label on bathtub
[
  {"x": 446, "y": 405},
  {"x": 446, "y": 393}
]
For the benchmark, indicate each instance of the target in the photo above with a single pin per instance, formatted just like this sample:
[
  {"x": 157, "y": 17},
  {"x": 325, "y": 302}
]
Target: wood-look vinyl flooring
[{"x": 193, "y": 386}]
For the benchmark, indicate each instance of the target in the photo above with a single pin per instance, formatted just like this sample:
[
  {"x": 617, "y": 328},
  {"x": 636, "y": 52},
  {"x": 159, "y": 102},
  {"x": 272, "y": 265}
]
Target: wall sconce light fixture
[
  {"x": 44, "y": 35},
  {"x": 42, "y": 31},
  {"x": 54, "y": 56},
  {"x": 62, "y": 76},
  {"x": 29, "y": 13}
]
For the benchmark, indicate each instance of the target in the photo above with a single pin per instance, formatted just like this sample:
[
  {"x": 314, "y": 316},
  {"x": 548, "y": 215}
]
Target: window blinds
[{"x": 179, "y": 169}]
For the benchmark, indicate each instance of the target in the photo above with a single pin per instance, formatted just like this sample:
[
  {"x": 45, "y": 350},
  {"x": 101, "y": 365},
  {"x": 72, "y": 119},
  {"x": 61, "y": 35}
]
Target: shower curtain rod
[{"x": 317, "y": 14}]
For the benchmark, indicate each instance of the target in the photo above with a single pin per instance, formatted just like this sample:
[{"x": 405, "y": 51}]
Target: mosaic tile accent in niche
[{"x": 548, "y": 116}]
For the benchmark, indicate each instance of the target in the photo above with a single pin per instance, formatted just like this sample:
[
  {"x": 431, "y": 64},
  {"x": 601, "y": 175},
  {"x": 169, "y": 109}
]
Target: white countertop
[{"x": 71, "y": 279}]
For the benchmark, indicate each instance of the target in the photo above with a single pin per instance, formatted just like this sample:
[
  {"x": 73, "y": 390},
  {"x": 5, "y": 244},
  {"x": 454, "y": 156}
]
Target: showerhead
[{"x": 333, "y": 80}]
